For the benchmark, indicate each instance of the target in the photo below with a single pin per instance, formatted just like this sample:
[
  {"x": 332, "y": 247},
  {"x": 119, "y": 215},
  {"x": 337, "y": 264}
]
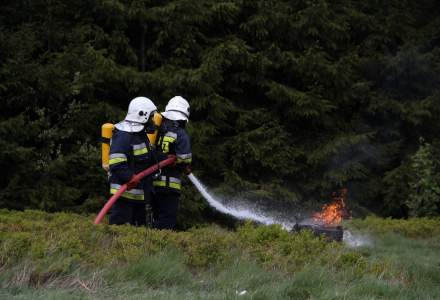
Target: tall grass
[{"x": 64, "y": 256}]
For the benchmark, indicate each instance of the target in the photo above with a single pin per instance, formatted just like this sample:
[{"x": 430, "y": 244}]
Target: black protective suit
[{"x": 172, "y": 139}]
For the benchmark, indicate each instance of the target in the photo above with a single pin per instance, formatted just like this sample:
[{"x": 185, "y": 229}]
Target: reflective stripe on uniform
[
  {"x": 140, "y": 149},
  {"x": 134, "y": 194},
  {"x": 184, "y": 158},
  {"x": 171, "y": 179},
  {"x": 171, "y": 134},
  {"x": 173, "y": 182},
  {"x": 168, "y": 139},
  {"x": 173, "y": 185},
  {"x": 117, "y": 158},
  {"x": 185, "y": 161}
]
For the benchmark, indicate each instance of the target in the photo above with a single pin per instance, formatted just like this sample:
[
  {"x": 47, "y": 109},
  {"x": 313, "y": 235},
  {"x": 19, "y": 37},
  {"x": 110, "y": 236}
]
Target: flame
[{"x": 333, "y": 213}]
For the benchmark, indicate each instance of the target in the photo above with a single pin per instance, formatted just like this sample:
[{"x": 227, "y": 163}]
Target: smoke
[{"x": 355, "y": 240}]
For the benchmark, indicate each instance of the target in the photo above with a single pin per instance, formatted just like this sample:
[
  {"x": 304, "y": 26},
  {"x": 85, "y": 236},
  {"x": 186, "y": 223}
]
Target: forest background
[{"x": 290, "y": 100}]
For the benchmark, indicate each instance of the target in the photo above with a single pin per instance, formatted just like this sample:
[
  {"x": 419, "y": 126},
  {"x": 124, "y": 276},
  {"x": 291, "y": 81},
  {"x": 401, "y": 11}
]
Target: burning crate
[
  {"x": 332, "y": 233},
  {"x": 327, "y": 222}
]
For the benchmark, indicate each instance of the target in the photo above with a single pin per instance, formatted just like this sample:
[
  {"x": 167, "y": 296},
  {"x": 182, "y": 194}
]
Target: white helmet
[
  {"x": 177, "y": 109},
  {"x": 140, "y": 109}
]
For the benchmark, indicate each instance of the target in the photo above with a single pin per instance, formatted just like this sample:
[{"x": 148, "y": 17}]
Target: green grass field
[{"x": 65, "y": 256}]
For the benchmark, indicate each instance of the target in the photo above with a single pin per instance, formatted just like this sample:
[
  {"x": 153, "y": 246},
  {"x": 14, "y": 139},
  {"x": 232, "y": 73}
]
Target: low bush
[
  {"x": 36, "y": 236},
  {"x": 412, "y": 227}
]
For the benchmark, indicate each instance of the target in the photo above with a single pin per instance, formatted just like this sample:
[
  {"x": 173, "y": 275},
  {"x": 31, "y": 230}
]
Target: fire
[{"x": 333, "y": 213}]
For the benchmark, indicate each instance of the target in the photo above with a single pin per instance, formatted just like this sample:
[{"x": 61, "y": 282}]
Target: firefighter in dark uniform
[
  {"x": 131, "y": 153},
  {"x": 172, "y": 139}
]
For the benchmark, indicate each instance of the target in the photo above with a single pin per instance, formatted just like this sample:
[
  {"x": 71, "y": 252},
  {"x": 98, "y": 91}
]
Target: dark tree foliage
[{"x": 290, "y": 100}]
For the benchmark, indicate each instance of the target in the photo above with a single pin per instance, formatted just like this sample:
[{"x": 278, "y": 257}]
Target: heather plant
[
  {"x": 412, "y": 227},
  {"x": 38, "y": 236},
  {"x": 45, "y": 255}
]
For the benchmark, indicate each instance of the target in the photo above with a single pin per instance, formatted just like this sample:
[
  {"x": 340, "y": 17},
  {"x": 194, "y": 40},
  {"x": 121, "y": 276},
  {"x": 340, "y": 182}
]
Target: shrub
[
  {"x": 413, "y": 227},
  {"x": 424, "y": 197}
]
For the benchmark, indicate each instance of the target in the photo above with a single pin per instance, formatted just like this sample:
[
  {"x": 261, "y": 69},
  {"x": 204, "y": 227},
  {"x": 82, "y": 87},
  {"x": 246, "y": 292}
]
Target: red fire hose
[{"x": 146, "y": 172}]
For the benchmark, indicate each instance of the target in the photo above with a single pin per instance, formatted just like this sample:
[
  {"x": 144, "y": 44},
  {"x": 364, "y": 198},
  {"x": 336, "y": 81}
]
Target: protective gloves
[{"x": 187, "y": 170}]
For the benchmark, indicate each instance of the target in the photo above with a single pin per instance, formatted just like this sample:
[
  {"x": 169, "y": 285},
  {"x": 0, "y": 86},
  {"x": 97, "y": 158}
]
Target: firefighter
[
  {"x": 130, "y": 153},
  {"x": 172, "y": 139}
]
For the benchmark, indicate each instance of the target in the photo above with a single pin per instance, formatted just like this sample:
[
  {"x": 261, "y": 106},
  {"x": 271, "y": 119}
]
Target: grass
[{"x": 64, "y": 256}]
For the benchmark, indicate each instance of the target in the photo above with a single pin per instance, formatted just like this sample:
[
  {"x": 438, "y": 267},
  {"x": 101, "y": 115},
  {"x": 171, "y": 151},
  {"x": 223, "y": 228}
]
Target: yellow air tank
[
  {"x": 106, "y": 134},
  {"x": 157, "y": 120}
]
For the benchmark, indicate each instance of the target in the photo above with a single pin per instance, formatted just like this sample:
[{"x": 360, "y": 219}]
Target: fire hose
[{"x": 171, "y": 159}]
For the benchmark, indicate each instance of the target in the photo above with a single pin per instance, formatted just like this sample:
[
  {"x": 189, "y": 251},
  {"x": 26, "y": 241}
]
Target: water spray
[
  {"x": 240, "y": 213},
  {"x": 336, "y": 233}
]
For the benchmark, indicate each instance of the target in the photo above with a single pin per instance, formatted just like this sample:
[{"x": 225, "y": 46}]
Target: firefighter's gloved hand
[
  {"x": 187, "y": 170},
  {"x": 133, "y": 183}
]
